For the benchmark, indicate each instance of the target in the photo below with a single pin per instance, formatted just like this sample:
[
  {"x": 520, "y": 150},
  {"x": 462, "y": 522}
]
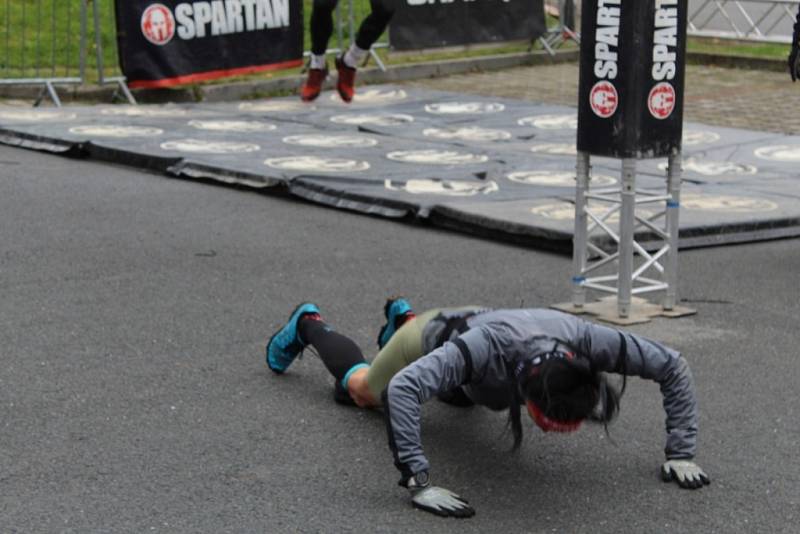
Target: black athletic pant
[
  {"x": 339, "y": 353},
  {"x": 371, "y": 28}
]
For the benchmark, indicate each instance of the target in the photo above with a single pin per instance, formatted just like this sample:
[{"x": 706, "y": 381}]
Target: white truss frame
[{"x": 656, "y": 271}]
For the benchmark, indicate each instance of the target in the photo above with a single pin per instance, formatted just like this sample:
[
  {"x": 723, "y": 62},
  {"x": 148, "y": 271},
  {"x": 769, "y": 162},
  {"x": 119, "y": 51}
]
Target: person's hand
[
  {"x": 435, "y": 500},
  {"x": 794, "y": 60},
  {"x": 685, "y": 472}
]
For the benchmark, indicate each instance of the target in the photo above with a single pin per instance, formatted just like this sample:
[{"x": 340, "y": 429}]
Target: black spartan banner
[
  {"x": 633, "y": 56},
  {"x": 172, "y": 42},
  {"x": 434, "y": 23}
]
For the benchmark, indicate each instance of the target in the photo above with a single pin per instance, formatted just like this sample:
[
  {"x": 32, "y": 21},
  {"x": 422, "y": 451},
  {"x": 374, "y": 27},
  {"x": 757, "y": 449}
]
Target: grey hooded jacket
[{"x": 492, "y": 342}]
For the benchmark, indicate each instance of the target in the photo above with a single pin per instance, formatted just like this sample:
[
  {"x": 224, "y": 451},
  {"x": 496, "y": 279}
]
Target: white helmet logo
[{"x": 158, "y": 24}]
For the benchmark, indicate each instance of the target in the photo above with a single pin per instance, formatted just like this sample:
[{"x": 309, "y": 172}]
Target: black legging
[
  {"x": 371, "y": 28},
  {"x": 339, "y": 353}
]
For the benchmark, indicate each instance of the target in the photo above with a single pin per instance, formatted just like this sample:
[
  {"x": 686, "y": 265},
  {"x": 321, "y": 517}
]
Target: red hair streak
[{"x": 550, "y": 425}]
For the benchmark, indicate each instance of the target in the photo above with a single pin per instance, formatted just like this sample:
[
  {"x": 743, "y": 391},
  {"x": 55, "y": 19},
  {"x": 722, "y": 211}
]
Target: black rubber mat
[{"x": 498, "y": 168}]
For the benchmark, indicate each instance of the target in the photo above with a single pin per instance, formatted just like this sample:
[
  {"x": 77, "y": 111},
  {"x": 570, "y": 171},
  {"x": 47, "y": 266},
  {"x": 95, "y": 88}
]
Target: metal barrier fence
[
  {"x": 48, "y": 42},
  {"x": 768, "y": 21}
]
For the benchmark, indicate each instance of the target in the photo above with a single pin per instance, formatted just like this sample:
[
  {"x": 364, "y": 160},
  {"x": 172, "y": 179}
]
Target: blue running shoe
[
  {"x": 394, "y": 309},
  {"x": 285, "y": 344}
]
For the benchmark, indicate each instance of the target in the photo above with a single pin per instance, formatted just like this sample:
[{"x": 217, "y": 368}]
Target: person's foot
[
  {"x": 397, "y": 311},
  {"x": 341, "y": 395},
  {"x": 313, "y": 84},
  {"x": 346, "y": 84},
  {"x": 285, "y": 344}
]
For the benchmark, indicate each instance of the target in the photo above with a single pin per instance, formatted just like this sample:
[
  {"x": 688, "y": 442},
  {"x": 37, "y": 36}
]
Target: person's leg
[
  {"x": 321, "y": 31},
  {"x": 371, "y": 28},
  {"x": 321, "y": 25},
  {"x": 339, "y": 353},
  {"x": 373, "y": 25},
  {"x": 404, "y": 347}
]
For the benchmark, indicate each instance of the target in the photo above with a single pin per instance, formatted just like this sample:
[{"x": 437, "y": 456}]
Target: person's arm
[
  {"x": 447, "y": 367},
  {"x": 624, "y": 352},
  {"x": 794, "y": 55}
]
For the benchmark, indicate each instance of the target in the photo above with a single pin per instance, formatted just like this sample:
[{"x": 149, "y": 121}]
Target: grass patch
[{"x": 737, "y": 48}]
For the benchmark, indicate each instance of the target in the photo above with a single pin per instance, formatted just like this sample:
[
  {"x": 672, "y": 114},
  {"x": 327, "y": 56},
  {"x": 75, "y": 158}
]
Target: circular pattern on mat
[
  {"x": 555, "y": 149},
  {"x": 782, "y": 153},
  {"x": 436, "y": 157},
  {"x": 270, "y": 106},
  {"x": 699, "y": 137},
  {"x": 557, "y": 178},
  {"x": 467, "y": 133},
  {"x": 202, "y": 146},
  {"x": 145, "y": 111},
  {"x": 551, "y": 122},
  {"x": 36, "y": 115},
  {"x": 317, "y": 164},
  {"x": 366, "y": 119},
  {"x": 233, "y": 126},
  {"x": 464, "y": 108},
  {"x": 713, "y": 168},
  {"x": 108, "y": 130},
  {"x": 330, "y": 141},
  {"x": 375, "y": 96},
  {"x": 565, "y": 211},
  {"x": 436, "y": 186},
  {"x": 726, "y": 203}
]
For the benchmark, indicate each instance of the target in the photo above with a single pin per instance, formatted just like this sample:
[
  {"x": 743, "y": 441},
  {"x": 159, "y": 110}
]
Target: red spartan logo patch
[
  {"x": 604, "y": 99},
  {"x": 661, "y": 101},
  {"x": 158, "y": 24}
]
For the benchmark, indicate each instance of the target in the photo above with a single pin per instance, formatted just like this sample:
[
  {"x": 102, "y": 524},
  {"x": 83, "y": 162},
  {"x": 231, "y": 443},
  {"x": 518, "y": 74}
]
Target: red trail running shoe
[
  {"x": 313, "y": 85},
  {"x": 346, "y": 83}
]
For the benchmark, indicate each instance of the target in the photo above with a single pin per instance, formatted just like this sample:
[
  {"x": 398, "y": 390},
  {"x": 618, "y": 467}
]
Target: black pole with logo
[{"x": 631, "y": 107}]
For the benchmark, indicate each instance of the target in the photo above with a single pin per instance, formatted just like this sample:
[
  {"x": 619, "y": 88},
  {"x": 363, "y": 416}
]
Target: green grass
[{"x": 737, "y": 48}]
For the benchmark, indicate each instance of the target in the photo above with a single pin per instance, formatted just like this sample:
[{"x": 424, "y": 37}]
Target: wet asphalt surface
[{"x": 134, "y": 396}]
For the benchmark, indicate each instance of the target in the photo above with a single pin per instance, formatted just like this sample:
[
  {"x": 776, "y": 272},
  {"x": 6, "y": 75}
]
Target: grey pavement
[{"x": 134, "y": 396}]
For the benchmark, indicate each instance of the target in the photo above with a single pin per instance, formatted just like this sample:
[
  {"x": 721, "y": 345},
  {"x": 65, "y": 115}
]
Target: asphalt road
[{"x": 134, "y": 396}]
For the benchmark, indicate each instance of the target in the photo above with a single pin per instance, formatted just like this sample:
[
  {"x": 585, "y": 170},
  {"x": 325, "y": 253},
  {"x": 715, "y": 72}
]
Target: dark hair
[{"x": 565, "y": 390}]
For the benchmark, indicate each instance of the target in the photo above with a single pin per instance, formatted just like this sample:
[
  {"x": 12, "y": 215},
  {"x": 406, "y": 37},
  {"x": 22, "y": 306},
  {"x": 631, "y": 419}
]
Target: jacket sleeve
[
  {"x": 439, "y": 371},
  {"x": 623, "y": 352}
]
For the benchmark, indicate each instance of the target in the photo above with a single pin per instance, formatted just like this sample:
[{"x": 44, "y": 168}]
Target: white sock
[
  {"x": 354, "y": 56},
  {"x": 317, "y": 62}
]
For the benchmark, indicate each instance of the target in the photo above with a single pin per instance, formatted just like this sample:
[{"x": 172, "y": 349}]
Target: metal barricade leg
[
  {"x": 580, "y": 238},
  {"x": 672, "y": 227},
  {"x": 626, "y": 226}
]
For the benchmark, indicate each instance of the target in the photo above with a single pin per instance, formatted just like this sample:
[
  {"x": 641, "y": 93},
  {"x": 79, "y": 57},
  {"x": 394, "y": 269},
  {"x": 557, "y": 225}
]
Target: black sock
[{"x": 339, "y": 353}]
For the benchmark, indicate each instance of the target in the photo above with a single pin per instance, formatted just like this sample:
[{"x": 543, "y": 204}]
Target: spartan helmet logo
[{"x": 158, "y": 24}]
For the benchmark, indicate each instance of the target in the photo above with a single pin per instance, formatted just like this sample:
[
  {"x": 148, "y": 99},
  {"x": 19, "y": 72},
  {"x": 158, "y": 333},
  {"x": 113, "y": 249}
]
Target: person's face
[{"x": 550, "y": 425}]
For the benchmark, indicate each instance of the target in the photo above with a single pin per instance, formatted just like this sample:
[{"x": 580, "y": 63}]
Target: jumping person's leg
[
  {"x": 370, "y": 30},
  {"x": 321, "y": 31}
]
